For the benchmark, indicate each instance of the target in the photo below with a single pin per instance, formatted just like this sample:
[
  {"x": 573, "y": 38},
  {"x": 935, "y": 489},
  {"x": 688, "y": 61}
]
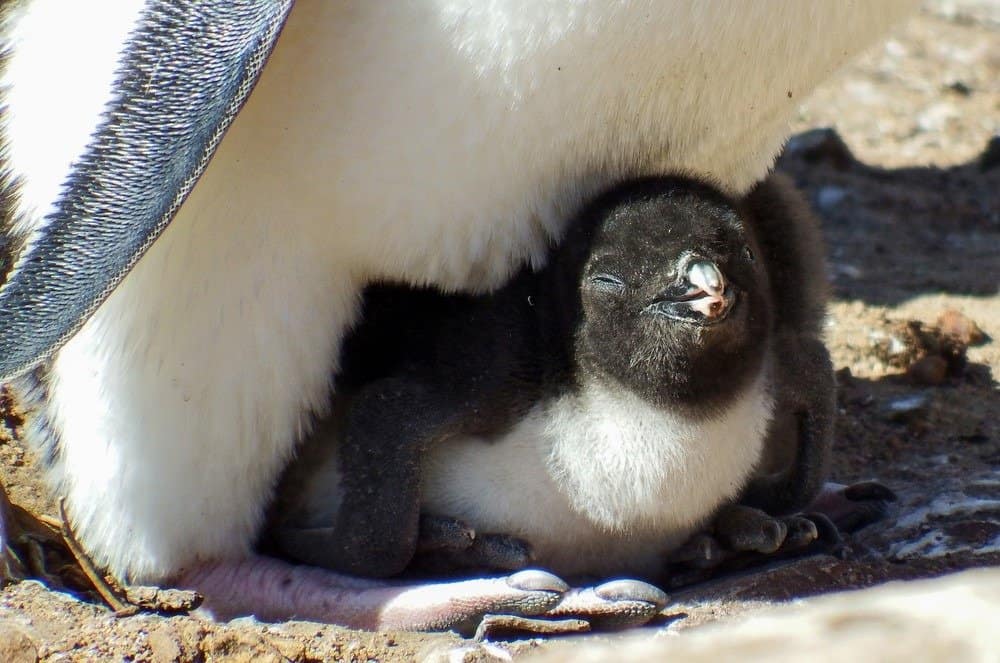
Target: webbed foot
[
  {"x": 611, "y": 606},
  {"x": 742, "y": 536},
  {"x": 448, "y": 546},
  {"x": 273, "y": 590},
  {"x": 851, "y": 507}
]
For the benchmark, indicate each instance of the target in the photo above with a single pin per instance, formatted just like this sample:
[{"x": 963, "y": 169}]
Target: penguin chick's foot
[
  {"x": 272, "y": 590},
  {"x": 855, "y": 506},
  {"x": 446, "y": 546},
  {"x": 743, "y": 536}
]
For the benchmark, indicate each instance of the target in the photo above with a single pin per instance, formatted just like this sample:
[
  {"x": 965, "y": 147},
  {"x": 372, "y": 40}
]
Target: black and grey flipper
[{"x": 186, "y": 72}]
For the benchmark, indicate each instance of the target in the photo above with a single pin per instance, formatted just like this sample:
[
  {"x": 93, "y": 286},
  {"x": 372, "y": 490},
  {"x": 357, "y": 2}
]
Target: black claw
[
  {"x": 801, "y": 532},
  {"x": 827, "y": 531},
  {"x": 773, "y": 534},
  {"x": 701, "y": 551}
]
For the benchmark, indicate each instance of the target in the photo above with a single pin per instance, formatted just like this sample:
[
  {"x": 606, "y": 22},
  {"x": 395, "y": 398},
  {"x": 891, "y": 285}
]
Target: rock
[
  {"x": 829, "y": 197},
  {"x": 936, "y": 117},
  {"x": 234, "y": 646},
  {"x": 907, "y": 408},
  {"x": 163, "y": 646},
  {"x": 906, "y": 343},
  {"x": 935, "y": 621},
  {"x": 16, "y": 646},
  {"x": 959, "y": 87},
  {"x": 819, "y": 145},
  {"x": 960, "y": 328}
]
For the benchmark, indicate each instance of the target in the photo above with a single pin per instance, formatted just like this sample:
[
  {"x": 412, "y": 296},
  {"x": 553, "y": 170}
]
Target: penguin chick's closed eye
[{"x": 601, "y": 408}]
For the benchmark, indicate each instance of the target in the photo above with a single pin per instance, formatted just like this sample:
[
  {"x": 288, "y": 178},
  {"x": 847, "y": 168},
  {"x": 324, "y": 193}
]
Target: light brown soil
[{"x": 913, "y": 226}]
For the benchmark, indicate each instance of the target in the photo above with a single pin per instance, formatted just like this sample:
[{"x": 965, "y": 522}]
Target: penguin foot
[
  {"x": 612, "y": 606},
  {"x": 855, "y": 506},
  {"x": 527, "y": 602},
  {"x": 273, "y": 590},
  {"x": 701, "y": 551},
  {"x": 447, "y": 545},
  {"x": 743, "y": 536},
  {"x": 745, "y": 529}
]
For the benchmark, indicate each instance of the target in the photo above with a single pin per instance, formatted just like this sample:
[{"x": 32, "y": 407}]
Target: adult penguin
[{"x": 433, "y": 142}]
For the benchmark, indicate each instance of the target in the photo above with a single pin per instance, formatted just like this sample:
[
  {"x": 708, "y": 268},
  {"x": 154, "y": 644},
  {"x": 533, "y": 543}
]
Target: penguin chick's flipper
[
  {"x": 365, "y": 518},
  {"x": 803, "y": 425},
  {"x": 138, "y": 168},
  {"x": 800, "y": 437}
]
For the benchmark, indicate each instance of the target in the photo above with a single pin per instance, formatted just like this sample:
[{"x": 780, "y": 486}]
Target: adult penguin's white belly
[{"x": 434, "y": 142}]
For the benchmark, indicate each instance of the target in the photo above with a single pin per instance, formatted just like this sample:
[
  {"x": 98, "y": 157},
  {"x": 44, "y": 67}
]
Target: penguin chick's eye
[
  {"x": 748, "y": 254},
  {"x": 607, "y": 282}
]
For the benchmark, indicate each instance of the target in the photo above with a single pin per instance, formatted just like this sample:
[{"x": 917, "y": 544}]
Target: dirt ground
[{"x": 908, "y": 187}]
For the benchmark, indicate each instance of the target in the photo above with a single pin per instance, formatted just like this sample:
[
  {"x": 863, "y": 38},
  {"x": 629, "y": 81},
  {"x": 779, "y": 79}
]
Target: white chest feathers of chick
[{"x": 599, "y": 480}]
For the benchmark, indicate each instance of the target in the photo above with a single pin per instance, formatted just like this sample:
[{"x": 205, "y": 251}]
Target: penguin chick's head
[{"x": 675, "y": 302}]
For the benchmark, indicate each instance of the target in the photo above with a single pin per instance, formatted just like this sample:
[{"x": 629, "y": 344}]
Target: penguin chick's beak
[
  {"x": 708, "y": 289},
  {"x": 700, "y": 295}
]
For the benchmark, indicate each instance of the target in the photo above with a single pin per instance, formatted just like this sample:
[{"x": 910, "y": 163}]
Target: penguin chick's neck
[{"x": 691, "y": 370}]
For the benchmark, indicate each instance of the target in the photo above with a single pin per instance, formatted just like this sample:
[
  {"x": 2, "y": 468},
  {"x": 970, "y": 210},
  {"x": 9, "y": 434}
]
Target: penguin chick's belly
[{"x": 600, "y": 481}]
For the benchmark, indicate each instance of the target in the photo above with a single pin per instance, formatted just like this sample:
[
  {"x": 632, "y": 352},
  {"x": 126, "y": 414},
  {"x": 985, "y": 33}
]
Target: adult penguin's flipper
[{"x": 186, "y": 71}]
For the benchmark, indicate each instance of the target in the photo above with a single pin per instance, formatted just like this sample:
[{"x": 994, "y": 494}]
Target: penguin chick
[{"x": 601, "y": 409}]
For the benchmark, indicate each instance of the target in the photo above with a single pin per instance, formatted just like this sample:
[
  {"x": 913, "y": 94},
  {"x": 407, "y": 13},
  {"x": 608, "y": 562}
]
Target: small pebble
[
  {"x": 821, "y": 145},
  {"x": 164, "y": 646},
  {"x": 829, "y": 197},
  {"x": 959, "y": 87},
  {"x": 907, "y": 407},
  {"x": 16, "y": 646},
  {"x": 848, "y": 270},
  {"x": 959, "y": 327}
]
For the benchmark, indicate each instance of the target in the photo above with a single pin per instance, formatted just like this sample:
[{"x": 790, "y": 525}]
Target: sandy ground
[{"x": 911, "y": 207}]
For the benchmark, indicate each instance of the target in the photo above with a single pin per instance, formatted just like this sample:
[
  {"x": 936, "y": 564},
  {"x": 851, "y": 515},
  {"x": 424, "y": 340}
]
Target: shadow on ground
[{"x": 893, "y": 234}]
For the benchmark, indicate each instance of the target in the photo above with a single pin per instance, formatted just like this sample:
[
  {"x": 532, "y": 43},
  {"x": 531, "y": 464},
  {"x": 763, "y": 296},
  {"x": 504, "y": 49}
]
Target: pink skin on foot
[{"x": 273, "y": 590}]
